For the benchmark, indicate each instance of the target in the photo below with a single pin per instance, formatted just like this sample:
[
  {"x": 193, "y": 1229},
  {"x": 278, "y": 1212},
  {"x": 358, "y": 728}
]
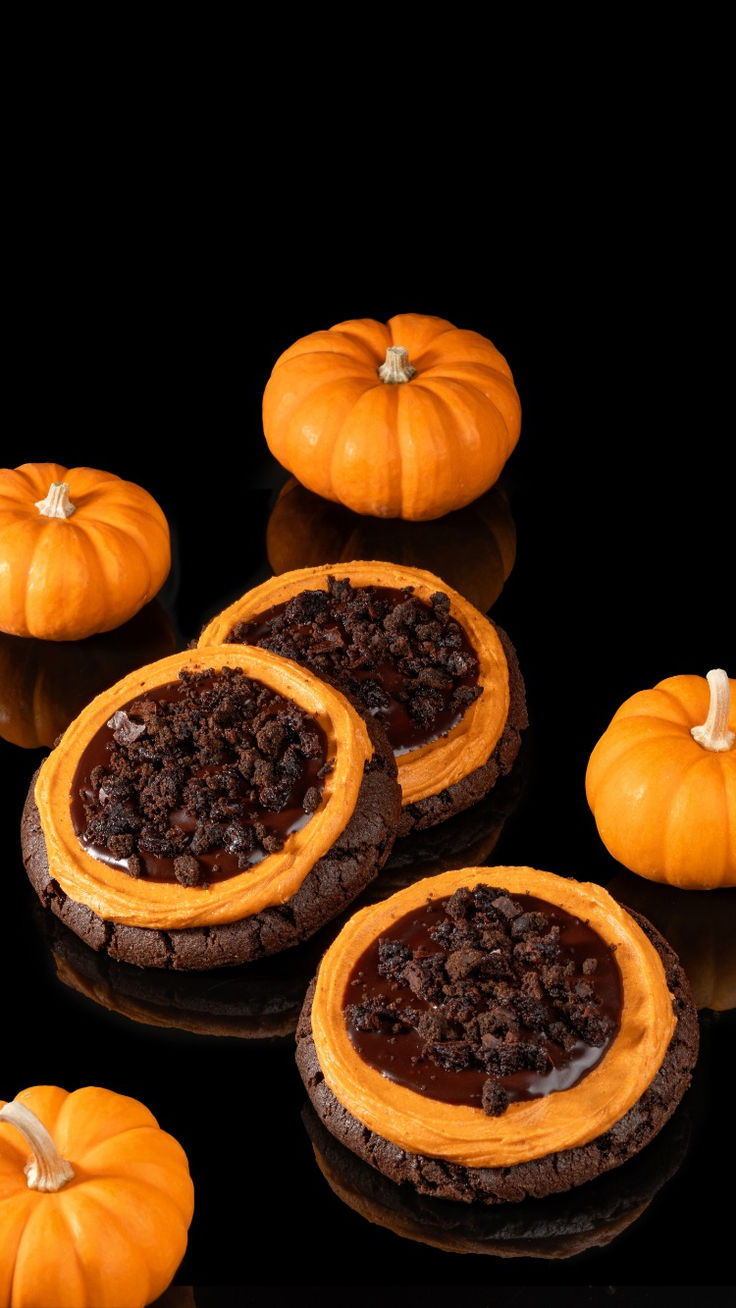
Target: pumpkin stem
[
  {"x": 57, "y": 503},
  {"x": 396, "y": 367},
  {"x": 714, "y": 733},
  {"x": 47, "y": 1170}
]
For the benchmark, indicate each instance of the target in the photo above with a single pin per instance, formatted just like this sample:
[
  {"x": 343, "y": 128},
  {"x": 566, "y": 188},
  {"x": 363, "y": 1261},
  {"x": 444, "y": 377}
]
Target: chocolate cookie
[
  {"x": 441, "y": 678},
  {"x": 208, "y": 810},
  {"x": 479, "y": 1046}
]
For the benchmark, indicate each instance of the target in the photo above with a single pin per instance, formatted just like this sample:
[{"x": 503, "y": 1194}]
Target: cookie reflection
[
  {"x": 472, "y": 549},
  {"x": 701, "y": 927},
  {"x": 561, "y": 1226},
  {"x": 466, "y": 840},
  {"x": 255, "y": 1001},
  {"x": 44, "y": 684}
]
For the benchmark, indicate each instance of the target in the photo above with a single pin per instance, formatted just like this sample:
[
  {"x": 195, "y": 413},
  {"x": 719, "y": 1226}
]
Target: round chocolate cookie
[
  {"x": 497, "y": 1034},
  {"x": 208, "y": 810},
  {"x": 441, "y": 678}
]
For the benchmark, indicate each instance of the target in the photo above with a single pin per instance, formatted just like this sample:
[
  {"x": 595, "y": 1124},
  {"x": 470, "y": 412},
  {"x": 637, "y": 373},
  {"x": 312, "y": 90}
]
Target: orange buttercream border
[
  {"x": 115, "y": 896},
  {"x": 527, "y": 1130},
  {"x": 430, "y": 768}
]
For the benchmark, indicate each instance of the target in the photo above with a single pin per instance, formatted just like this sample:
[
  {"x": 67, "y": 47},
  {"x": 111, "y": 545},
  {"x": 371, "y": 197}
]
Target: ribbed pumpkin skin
[
  {"x": 67, "y": 578},
  {"x": 665, "y": 806},
  {"x": 115, "y": 1234},
  {"x": 415, "y": 449}
]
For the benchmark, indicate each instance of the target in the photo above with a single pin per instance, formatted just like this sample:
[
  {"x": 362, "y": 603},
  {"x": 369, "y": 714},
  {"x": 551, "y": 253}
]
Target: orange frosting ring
[
  {"x": 117, "y": 897},
  {"x": 468, "y": 745},
  {"x": 529, "y": 1129}
]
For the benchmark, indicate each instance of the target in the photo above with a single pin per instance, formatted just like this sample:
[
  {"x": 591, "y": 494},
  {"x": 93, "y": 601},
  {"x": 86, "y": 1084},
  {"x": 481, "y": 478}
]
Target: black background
[{"x": 142, "y": 350}]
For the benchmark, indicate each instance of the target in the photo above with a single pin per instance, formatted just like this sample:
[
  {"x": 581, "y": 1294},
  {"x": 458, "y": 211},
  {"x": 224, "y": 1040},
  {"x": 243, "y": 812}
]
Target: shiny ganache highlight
[
  {"x": 198, "y": 779},
  {"x": 484, "y": 998},
  {"x": 406, "y": 661}
]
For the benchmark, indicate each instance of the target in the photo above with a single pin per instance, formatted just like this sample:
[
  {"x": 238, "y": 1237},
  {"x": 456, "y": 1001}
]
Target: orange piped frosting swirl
[
  {"x": 114, "y": 895},
  {"x": 528, "y": 1129}
]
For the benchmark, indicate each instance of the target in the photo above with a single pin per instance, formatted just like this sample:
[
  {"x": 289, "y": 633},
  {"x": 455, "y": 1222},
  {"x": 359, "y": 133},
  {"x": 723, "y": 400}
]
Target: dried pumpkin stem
[
  {"x": 47, "y": 1170},
  {"x": 714, "y": 733},
  {"x": 57, "y": 503},
  {"x": 396, "y": 366}
]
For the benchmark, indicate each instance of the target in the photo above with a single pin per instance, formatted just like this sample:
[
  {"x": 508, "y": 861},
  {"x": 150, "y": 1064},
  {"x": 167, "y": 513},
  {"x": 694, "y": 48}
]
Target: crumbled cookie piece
[
  {"x": 204, "y": 768},
  {"x": 493, "y": 991},
  {"x": 407, "y": 661}
]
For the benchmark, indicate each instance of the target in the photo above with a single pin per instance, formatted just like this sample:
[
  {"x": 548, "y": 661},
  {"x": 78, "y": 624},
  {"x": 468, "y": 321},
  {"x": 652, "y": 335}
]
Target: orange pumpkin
[
  {"x": 99, "y": 1213},
  {"x": 44, "y": 684},
  {"x": 473, "y": 549},
  {"x": 410, "y": 419},
  {"x": 81, "y": 551},
  {"x": 661, "y": 782}
]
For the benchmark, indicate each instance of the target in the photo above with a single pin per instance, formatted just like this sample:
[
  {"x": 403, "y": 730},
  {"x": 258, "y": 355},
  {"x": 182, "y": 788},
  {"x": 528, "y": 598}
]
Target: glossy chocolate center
[
  {"x": 199, "y": 779},
  {"x": 406, "y": 661},
  {"x": 484, "y": 998}
]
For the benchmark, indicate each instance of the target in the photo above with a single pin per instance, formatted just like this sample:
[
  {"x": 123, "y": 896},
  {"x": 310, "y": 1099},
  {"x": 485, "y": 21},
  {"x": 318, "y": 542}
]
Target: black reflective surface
[{"x": 622, "y": 576}]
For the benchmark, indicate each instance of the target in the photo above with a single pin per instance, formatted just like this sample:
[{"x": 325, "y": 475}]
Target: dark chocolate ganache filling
[
  {"x": 484, "y": 998},
  {"x": 198, "y": 779},
  {"x": 408, "y": 662}
]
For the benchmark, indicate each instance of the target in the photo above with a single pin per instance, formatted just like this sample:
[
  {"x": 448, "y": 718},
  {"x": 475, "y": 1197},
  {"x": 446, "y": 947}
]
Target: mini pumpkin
[
  {"x": 474, "y": 548},
  {"x": 408, "y": 419},
  {"x": 99, "y": 1214},
  {"x": 81, "y": 551},
  {"x": 44, "y": 684},
  {"x": 661, "y": 782}
]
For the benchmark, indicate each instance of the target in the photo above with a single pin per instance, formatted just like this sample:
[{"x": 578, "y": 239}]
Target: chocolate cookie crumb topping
[
  {"x": 484, "y": 998},
  {"x": 408, "y": 662},
  {"x": 199, "y": 779}
]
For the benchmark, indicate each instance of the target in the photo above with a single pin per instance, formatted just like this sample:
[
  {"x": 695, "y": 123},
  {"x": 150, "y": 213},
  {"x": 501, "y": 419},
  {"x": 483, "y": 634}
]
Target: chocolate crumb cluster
[
  {"x": 202, "y": 772},
  {"x": 385, "y": 646},
  {"x": 495, "y": 992}
]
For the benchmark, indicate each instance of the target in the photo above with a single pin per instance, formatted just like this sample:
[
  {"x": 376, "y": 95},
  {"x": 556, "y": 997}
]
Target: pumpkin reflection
[
  {"x": 560, "y": 1226},
  {"x": 701, "y": 927},
  {"x": 45, "y": 684},
  {"x": 472, "y": 549}
]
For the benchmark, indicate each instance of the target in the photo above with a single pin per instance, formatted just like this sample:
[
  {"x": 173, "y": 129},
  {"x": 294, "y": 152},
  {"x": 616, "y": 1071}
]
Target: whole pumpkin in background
[
  {"x": 408, "y": 419},
  {"x": 44, "y": 684},
  {"x": 661, "y": 782},
  {"x": 95, "y": 1201},
  {"x": 699, "y": 924},
  {"x": 473, "y": 548},
  {"x": 81, "y": 551}
]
